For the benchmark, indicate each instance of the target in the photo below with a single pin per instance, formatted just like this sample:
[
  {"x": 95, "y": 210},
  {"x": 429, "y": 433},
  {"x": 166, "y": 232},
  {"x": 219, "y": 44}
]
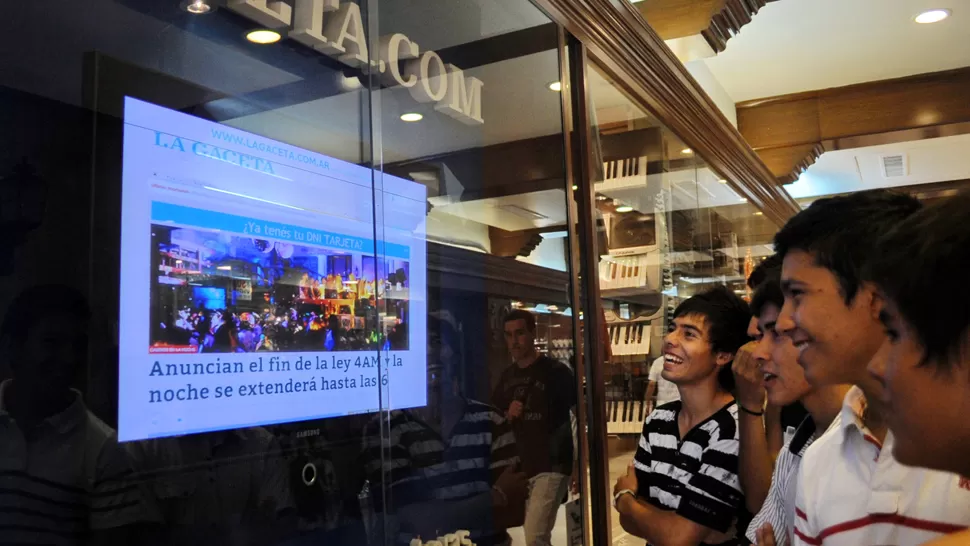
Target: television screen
[{"x": 246, "y": 261}]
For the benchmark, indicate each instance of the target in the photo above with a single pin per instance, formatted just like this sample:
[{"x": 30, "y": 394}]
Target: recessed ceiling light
[
  {"x": 722, "y": 181},
  {"x": 575, "y": 187},
  {"x": 624, "y": 208},
  {"x": 556, "y": 86},
  {"x": 197, "y": 7},
  {"x": 687, "y": 151},
  {"x": 411, "y": 117},
  {"x": 759, "y": 213},
  {"x": 263, "y": 36},
  {"x": 744, "y": 200},
  {"x": 932, "y": 16}
]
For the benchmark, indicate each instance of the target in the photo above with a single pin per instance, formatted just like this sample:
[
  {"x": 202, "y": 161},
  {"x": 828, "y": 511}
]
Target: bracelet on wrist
[
  {"x": 619, "y": 495},
  {"x": 749, "y": 412}
]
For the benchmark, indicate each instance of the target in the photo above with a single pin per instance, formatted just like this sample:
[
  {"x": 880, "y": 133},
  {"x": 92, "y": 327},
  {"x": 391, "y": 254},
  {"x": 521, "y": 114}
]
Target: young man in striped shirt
[
  {"x": 927, "y": 371},
  {"x": 767, "y": 370},
  {"x": 850, "y": 489},
  {"x": 452, "y": 467},
  {"x": 683, "y": 488}
]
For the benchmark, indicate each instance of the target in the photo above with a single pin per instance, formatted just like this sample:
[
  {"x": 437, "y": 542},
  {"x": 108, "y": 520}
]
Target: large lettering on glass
[{"x": 336, "y": 29}]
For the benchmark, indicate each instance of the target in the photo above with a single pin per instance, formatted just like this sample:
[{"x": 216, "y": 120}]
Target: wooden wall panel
[
  {"x": 679, "y": 18},
  {"x": 789, "y": 132},
  {"x": 780, "y": 124},
  {"x": 895, "y": 105}
]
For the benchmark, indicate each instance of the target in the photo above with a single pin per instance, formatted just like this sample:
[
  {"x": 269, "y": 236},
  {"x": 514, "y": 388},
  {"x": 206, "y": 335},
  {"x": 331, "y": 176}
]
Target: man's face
[
  {"x": 784, "y": 379},
  {"x": 688, "y": 355},
  {"x": 834, "y": 340},
  {"x": 924, "y": 406},
  {"x": 518, "y": 338},
  {"x": 53, "y": 349}
]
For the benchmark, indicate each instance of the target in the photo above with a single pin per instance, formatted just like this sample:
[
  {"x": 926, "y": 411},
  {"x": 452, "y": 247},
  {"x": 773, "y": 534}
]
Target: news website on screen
[{"x": 253, "y": 288}]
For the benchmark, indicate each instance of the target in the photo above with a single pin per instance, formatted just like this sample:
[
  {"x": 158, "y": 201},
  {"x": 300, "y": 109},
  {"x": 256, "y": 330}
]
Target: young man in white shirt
[
  {"x": 927, "y": 370},
  {"x": 767, "y": 372},
  {"x": 850, "y": 489}
]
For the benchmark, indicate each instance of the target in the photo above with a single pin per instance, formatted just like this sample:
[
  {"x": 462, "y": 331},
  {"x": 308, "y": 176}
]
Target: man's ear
[
  {"x": 872, "y": 299},
  {"x": 723, "y": 358}
]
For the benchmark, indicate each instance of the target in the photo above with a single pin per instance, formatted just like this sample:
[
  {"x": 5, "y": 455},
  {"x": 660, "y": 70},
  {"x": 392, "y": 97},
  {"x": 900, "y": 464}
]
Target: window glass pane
[
  {"x": 490, "y": 156},
  {"x": 258, "y": 260},
  {"x": 669, "y": 227}
]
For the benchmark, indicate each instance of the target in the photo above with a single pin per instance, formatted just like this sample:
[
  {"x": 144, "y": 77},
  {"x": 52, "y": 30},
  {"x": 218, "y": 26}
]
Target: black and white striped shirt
[
  {"x": 421, "y": 468},
  {"x": 695, "y": 476},
  {"x": 779, "y": 506}
]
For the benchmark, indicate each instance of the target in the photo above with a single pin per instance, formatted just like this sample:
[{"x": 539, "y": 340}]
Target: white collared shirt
[{"x": 851, "y": 491}]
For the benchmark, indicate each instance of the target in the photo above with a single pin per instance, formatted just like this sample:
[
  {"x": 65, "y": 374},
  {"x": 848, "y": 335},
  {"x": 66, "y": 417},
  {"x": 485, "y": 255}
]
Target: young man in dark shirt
[{"x": 537, "y": 394}]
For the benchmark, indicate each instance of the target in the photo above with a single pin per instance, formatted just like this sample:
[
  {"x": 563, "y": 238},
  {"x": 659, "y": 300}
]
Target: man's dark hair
[
  {"x": 770, "y": 266},
  {"x": 727, "y": 317},
  {"x": 39, "y": 302},
  {"x": 521, "y": 314},
  {"x": 768, "y": 293},
  {"x": 923, "y": 259},
  {"x": 840, "y": 232}
]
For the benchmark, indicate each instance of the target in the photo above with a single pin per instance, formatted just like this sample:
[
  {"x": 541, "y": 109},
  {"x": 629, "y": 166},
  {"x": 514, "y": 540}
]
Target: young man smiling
[
  {"x": 683, "y": 487},
  {"x": 850, "y": 489},
  {"x": 767, "y": 370},
  {"x": 927, "y": 370}
]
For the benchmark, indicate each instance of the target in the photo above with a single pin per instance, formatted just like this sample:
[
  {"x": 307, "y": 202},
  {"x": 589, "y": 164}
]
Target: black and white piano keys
[{"x": 626, "y": 416}]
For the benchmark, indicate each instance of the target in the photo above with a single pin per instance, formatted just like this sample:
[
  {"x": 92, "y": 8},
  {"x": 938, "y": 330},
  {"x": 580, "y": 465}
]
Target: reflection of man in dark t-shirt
[{"x": 537, "y": 393}]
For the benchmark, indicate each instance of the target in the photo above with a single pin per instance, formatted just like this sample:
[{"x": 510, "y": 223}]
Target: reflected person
[
  {"x": 225, "y": 487},
  {"x": 452, "y": 465},
  {"x": 64, "y": 479},
  {"x": 538, "y": 393}
]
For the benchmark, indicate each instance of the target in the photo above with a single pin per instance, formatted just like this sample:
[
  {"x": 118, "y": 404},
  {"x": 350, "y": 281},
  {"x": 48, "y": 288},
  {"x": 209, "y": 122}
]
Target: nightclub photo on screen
[{"x": 215, "y": 292}]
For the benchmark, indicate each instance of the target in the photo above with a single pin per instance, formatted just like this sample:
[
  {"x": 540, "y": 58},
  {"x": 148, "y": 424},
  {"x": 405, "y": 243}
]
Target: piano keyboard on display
[
  {"x": 623, "y": 173},
  {"x": 625, "y": 416},
  {"x": 632, "y": 338},
  {"x": 628, "y": 272}
]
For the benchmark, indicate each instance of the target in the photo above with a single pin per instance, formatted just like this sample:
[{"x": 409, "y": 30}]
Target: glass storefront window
[
  {"x": 668, "y": 227},
  {"x": 260, "y": 266}
]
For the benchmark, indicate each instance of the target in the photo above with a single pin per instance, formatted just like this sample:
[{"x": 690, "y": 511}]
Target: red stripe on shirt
[
  {"x": 873, "y": 441},
  {"x": 807, "y": 539},
  {"x": 894, "y": 519},
  {"x": 800, "y": 513}
]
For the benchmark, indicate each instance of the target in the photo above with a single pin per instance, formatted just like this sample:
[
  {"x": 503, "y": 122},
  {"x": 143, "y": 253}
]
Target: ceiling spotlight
[
  {"x": 601, "y": 198},
  {"x": 349, "y": 83},
  {"x": 197, "y": 7},
  {"x": 624, "y": 208},
  {"x": 687, "y": 151},
  {"x": 722, "y": 181},
  {"x": 744, "y": 200},
  {"x": 263, "y": 36},
  {"x": 932, "y": 16},
  {"x": 575, "y": 187},
  {"x": 759, "y": 213},
  {"x": 411, "y": 117},
  {"x": 556, "y": 86}
]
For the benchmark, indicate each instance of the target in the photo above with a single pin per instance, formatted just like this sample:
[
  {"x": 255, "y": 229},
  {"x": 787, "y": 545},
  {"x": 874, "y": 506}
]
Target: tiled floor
[{"x": 618, "y": 464}]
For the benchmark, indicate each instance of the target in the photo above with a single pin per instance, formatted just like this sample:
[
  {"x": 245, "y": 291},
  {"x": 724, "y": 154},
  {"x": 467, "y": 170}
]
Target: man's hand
[
  {"x": 748, "y": 378},
  {"x": 765, "y": 535},
  {"x": 512, "y": 484},
  {"x": 628, "y": 481},
  {"x": 515, "y": 410}
]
